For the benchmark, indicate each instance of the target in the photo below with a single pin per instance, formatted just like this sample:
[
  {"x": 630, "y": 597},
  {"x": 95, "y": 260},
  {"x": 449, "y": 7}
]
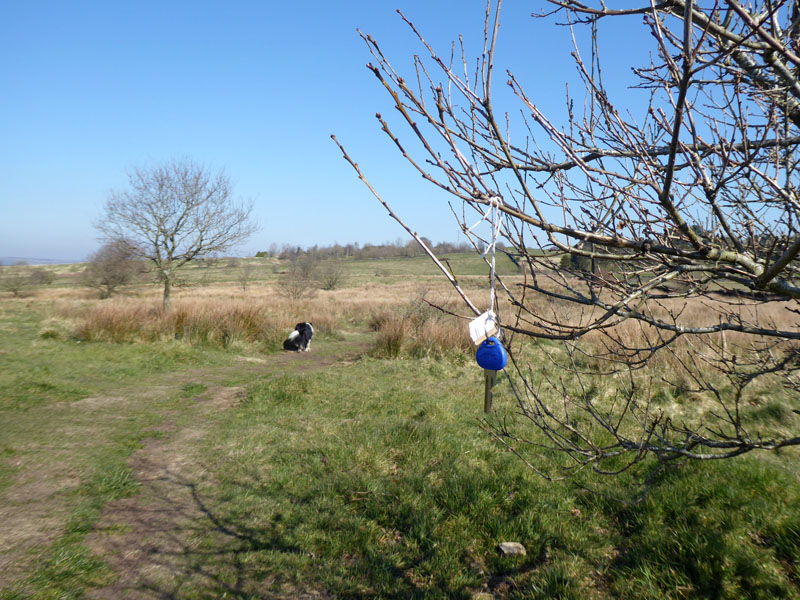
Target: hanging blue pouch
[{"x": 491, "y": 355}]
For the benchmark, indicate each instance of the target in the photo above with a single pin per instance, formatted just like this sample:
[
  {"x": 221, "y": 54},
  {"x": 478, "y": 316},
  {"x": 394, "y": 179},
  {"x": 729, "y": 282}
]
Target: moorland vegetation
[{"x": 362, "y": 469}]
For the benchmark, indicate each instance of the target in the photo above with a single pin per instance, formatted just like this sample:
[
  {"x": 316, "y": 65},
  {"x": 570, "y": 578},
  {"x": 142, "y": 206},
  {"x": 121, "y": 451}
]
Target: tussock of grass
[
  {"x": 419, "y": 330},
  {"x": 193, "y": 389},
  {"x": 202, "y": 323},
  {"x": 56, "y": 329}
]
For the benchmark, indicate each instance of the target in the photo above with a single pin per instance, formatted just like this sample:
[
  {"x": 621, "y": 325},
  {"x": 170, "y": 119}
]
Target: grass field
[{"x": 211, "y": 465}]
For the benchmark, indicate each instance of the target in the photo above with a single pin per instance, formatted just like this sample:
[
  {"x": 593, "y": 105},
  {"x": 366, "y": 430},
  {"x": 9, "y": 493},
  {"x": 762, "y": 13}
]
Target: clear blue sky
[{"x": 90, "y": 89}]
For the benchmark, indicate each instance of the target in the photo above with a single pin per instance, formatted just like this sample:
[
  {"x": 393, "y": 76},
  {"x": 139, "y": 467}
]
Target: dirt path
[
  {"x": 145, "y": 538},
  {"x": 148, "y": 539}
]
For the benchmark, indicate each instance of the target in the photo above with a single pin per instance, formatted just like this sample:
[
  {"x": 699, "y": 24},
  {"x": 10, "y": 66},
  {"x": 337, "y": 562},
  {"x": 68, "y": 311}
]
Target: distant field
[
  {"x": 269, "y": 270},
  {"x": 186, "y": 456}
]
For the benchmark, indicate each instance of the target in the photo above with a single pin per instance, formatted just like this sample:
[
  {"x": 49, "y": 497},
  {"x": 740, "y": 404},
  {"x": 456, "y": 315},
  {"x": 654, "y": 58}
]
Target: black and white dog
[{"x": 300, "y": 339}]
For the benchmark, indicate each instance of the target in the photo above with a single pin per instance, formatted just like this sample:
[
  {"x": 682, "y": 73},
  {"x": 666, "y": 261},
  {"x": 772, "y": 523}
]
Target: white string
[
  {"x": 494, "y": 209},
  {"x": 488, "y": 323},
  {"x": 484, "y": 217},
  {"x": 490, "y": 247},
  {"x": 492, "y": 215}
]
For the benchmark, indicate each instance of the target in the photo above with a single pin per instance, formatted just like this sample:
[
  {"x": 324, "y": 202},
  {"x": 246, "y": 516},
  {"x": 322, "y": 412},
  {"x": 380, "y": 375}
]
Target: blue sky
[{"x": 256, "y": 88}]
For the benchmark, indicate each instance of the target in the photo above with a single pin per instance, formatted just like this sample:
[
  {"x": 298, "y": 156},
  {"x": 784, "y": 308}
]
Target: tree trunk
[{"x": 167, "y": 292}]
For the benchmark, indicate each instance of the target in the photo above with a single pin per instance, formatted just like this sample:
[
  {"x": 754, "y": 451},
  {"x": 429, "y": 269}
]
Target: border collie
[{"x": 300, "y": 339}]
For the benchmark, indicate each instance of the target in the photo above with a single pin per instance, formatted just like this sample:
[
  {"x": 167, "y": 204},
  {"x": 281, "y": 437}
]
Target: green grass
[
  {"x": 68, "y": 568},
  {"x": 712, "y": 530},
  {"x": 81, "y": 448},
  {"x": 39, "y": 370},
  {"x": 357, "y": 271},
  {"x": 193, "y": 389},
  {"x": 390, "y": 270},
  {"x": 375, "y": 481},
  {"x": 96, "y": 446}
]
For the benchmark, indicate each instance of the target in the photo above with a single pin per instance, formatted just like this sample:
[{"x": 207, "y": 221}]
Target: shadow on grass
[
  {"x": 186, "y": 542},
  {"x": 169, "y": 543},
  {"x": 176, "y": 545}
]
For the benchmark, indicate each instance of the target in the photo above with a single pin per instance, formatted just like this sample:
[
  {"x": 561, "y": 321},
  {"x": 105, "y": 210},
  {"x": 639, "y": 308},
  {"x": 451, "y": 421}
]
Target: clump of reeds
[
  {"x": 393, "y": 331},
  {"x": 120, "y": 322},
  {"x": 222, "y": 324},
  {"x": 419, "y": 330}
]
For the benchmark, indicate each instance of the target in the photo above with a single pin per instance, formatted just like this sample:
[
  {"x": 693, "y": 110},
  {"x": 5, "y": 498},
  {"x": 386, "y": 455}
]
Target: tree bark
[{"x": 167, "y": 292}]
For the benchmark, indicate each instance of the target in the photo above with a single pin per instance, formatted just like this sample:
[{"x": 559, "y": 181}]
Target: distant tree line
[{"x": 396, "y": 249}]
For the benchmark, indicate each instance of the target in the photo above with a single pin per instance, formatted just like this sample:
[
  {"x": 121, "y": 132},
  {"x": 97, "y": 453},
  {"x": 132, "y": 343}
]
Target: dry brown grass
[
  {"x": 221, "y": 315},
  {"x": 636, "y": 334},
  {"x": 705, "y": 349},
  {"x": 418, "y": 329},
  {"x": 681, "y": 378},
  {"x": 210, "y": 320}
]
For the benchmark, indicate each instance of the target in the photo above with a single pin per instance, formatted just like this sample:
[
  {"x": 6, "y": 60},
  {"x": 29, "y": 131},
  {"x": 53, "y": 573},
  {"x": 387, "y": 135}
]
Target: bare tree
[
  {"x": 42, "y": 276},
  {"x": 664, "y": 231},
  {"x": 300, "y": 281},
  {"x": 113, "y": 265},
  {"x": 331, "y": 274},
  {"x": 174, "y": 213},
  {"x": 16, "y": 279},
  {"x": 245, "y": 275}
]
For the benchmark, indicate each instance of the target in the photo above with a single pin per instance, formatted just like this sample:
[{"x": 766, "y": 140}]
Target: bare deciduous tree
[
  {"x": 42, "y": 276},
  {"x": 174, "y": 213},
  {"x": 113, "y": 265},
  {"x": 331, "y": 274},
  {"x": 245, "y": 275},
  {"x": 300, "y": 281},
  {"x": 663, "y": 231},
  {"x": 16, "y": 279}
]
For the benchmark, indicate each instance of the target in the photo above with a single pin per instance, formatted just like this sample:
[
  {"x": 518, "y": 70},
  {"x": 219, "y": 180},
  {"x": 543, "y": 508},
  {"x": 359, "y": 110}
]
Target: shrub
[
  {"x": 16, "y": 280},
  {"x": 111, "y": 267},
  {"x": 42, "y": 277},
  {"x": 332, "y": 275}
]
